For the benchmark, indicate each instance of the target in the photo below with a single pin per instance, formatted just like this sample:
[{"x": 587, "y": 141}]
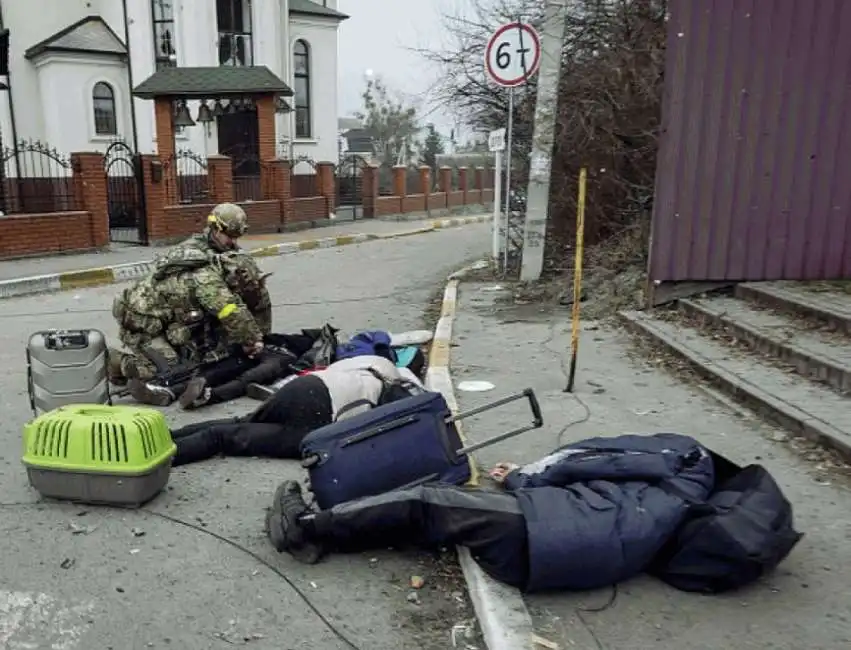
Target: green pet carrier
[{"x": 91, "y": 453}]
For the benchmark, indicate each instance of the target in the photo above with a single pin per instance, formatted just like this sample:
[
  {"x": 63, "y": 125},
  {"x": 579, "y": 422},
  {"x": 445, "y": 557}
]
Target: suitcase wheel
[{"x": 310, "y": 461}]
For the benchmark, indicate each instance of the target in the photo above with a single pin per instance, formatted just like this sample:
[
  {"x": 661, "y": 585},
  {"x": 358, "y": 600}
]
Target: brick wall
[
  {"x": 29, "y": 235},
  {"x": 180, "y": 221},
  {"x": 83, "y": 229},
  {"x": 473, "y": 192}
]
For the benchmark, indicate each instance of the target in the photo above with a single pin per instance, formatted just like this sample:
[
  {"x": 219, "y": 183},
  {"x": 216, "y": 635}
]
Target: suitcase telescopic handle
[
  {"x": 537, "y": 419},
  {"x": 528, "y": 393}
]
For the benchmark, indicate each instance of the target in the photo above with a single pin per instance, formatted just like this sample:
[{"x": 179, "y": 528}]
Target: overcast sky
[{"x": 378, "y": 36}]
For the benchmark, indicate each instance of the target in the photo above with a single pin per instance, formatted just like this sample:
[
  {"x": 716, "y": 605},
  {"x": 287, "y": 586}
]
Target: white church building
[{"x": 73, "y": 65}]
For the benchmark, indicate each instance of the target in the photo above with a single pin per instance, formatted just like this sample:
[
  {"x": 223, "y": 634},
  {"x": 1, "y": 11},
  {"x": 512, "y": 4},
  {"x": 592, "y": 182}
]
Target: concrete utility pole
[{"x": 540, "y": 163}]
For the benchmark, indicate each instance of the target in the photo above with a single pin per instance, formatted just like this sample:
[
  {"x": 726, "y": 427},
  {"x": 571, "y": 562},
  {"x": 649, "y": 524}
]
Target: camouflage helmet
[{"x": 228, "y": 218}]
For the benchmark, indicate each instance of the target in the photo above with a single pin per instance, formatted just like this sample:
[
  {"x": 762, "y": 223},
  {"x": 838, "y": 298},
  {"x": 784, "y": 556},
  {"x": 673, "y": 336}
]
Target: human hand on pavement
[{"x": 501, "y": 470}]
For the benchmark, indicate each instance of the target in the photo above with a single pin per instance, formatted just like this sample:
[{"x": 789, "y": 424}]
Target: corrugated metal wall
[{"x": 754, "y": 172}]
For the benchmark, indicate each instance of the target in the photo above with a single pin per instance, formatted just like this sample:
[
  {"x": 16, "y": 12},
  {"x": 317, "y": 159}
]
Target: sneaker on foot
[
  {"x": 149, "y": 393},
  {"x": 259, "y": 392},
  {"x": 284, "y": 527},
  {"x": 196, "y": 394}
]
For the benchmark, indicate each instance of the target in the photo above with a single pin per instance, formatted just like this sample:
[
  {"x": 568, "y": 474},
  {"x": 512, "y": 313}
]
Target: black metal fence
[
  {"x": 304, "y": 177},
  {"x": 186, "y": 177},
  {"x": 34, "y": 178},
  {"x": 349, "y": 177}
]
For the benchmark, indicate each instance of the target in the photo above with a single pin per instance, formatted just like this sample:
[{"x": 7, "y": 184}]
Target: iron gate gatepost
[{"x": 125, "y": 185}]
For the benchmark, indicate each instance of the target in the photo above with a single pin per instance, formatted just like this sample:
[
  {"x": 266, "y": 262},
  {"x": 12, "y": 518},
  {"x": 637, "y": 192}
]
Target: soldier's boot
[
  {"x": 148, "y": 393},
  {"x": 196, "y": 395},
  {"x": 114, "y": 370}
]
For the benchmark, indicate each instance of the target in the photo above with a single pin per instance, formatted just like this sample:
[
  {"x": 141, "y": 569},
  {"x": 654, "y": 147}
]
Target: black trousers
[
  {"x": 231, "y": 382},
  {"x": 489, "y": 523},
  {"x": 274, "y": 430}
]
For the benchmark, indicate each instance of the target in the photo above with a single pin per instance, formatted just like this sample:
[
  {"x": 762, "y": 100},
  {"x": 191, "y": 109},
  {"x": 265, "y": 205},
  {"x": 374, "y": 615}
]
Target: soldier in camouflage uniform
[{"x": 157, "y": 315}]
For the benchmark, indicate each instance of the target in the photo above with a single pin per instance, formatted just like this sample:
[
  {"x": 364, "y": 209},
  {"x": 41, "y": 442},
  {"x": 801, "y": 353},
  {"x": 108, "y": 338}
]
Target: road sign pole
[
  {"x": 507, "y": 186},
  {"x": 497, "y": 205}
]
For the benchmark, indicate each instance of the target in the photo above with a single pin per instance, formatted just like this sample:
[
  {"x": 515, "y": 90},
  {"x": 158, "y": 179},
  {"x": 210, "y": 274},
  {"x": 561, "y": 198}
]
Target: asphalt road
[
  {"x": 93, "y": 578},
  {"x": 805, "y": 603}
]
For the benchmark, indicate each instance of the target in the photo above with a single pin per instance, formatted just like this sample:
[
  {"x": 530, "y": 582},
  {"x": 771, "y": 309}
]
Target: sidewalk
[
  {"x": 804, "y": 604},
  {"x": 40, "y": 274}
]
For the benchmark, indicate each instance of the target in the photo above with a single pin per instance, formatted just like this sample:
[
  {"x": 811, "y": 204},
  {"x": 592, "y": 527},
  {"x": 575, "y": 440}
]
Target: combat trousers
[
  {"x": 135, "y": 364},
  {"x": 488, "y": 522}
]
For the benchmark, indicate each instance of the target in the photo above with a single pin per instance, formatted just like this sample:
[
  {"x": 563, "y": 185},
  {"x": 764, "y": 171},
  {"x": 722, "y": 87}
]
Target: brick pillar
[
  {"x": 155, "y": 197},
  {"x": 164, "y": 126},
  {"x": 266, "y": 128},
  {"x": 91, "y": 193},
  {"x": 220, "y": 179},
  {"x": 479, "y": 178},
  {"x": 445, "y": 179},
  {"x": 425, "y": 183},
  {"x": 425, "y": 180},
  {"x": 277, "y": 185},
  {"x": 327, "y": 185},
  {"x": 369, "y": 190},
  {"x": 462, "y": 182},
  {"x": 400, "y": 180}
]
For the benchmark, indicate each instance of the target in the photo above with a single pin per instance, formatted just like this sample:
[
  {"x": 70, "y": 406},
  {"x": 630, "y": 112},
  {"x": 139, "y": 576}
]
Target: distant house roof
[
  {"x": 211, "y": 82},
  {"x": 310, "y": 8},
  {"x": 359, "y": 141},
  {"x": 348, "y": 123},
  {"x": 91, "y": 35}
]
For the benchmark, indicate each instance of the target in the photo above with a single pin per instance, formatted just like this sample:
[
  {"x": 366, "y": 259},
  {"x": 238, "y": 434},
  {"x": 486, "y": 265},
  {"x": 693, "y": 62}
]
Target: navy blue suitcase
[{"x": 404, "y": 443}]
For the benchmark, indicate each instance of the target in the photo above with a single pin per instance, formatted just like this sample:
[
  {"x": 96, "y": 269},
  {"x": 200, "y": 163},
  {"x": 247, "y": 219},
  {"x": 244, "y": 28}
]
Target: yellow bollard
[{"x": 577, "y": 278}]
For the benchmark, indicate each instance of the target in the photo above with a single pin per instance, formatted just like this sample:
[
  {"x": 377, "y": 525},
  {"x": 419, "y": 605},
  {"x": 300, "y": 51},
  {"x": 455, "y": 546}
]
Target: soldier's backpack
[{"x": 67, "y": 367}]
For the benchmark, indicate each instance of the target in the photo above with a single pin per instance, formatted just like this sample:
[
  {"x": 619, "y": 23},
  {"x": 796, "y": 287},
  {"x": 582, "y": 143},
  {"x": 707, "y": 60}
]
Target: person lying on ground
[
  {"x": 305, "y": 403},
  {"x": 228, "y": 378},
  {"x": 587, "y": 516}
]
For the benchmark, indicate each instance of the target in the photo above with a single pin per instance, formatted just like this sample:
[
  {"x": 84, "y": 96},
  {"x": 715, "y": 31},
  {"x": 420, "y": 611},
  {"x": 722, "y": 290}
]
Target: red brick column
[
  {"x": 164, "y": 126},
  {"x": 479, "y": 178},
  {"x": 327, "y": 185},
  {"x": 369, "y": 190},
  {"x": 462, "y": 182},
  {"x": 425, "y": 183},
  {"x": 220, "y": 179},
  {"x": 400, "y": 180},
  {"x": 91, "y": 193},
  {"x": 445, "y": 179},
  {"x": 276, "y": 185},
  {"x": 153, "y": 176}
]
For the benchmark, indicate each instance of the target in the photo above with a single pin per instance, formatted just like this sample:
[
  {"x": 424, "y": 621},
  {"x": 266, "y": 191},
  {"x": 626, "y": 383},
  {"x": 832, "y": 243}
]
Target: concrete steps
[{"x": 782, "y": 349}]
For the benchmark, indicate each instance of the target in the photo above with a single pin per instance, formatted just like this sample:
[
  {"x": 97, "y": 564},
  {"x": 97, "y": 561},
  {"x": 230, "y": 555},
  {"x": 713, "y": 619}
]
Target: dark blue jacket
[{"x": 594, "y": 512}]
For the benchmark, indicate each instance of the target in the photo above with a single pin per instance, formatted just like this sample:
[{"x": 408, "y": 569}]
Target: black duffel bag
[{"x": 741, "y": 532}]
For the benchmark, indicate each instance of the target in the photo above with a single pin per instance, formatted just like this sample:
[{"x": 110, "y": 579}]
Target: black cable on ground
[
  {"x": 613, "y": 596},
  {"x": 226, "y": 540}
]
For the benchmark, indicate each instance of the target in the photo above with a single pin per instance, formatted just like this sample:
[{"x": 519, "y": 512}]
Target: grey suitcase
[{"x": 67, "y": 367}]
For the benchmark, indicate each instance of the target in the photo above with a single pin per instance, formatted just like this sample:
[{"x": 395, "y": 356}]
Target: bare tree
[{"x": 608, "y": 108}]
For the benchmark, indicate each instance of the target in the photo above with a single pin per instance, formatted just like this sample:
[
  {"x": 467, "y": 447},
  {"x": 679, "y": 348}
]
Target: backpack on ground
[
  {"x": 741, "y": 532},
  {"x": 374, "y": 343}
]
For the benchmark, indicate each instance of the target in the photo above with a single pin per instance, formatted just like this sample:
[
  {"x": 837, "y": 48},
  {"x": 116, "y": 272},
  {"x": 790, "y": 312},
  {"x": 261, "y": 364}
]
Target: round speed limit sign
[{"x": 513, "y": 54}]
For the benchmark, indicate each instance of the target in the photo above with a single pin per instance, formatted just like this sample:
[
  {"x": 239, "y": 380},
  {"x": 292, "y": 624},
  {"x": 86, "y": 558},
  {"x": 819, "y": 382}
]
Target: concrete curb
[
  {"x": 504, "y": 620},
  {"x": 99, "y": 276}
]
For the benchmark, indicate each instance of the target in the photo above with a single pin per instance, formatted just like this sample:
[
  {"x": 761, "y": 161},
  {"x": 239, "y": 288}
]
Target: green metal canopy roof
[
  {"x": 310, "y": 8},
  {"x": 212, "y": 82}
]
